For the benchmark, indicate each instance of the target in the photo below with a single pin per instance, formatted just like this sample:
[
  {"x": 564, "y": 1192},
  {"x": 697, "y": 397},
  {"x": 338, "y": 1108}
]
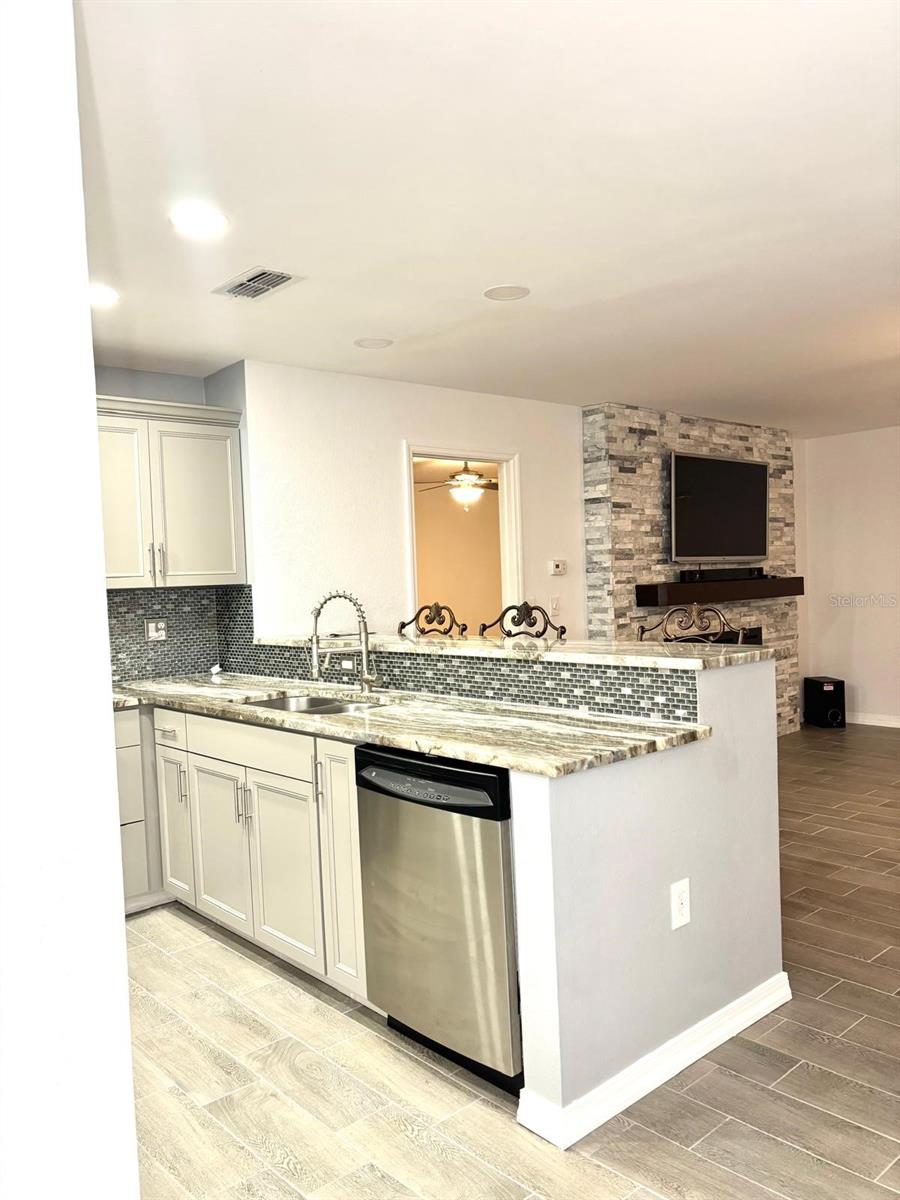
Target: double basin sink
[{"x": 317, "y": 705}]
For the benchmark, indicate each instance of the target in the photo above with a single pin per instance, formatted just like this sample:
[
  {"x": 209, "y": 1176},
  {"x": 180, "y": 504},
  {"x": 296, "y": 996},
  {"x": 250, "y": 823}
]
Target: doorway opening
[{"x": 459, "y": 509}]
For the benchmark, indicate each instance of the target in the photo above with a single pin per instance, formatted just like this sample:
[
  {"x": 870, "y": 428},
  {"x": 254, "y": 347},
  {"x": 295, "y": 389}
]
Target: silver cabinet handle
[
  {"x": 152, "y": 562},
  {"x": 319, "y": 791},
  {"x": 161, "y": 550},
  {"x": 237, "y": 805},
  {"x": 166, "y": 732},
  {"x": 248, "y": 803},
  {"x": 182, "y": 785}
]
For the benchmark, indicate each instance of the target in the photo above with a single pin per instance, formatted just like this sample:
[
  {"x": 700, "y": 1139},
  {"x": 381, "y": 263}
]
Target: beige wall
[
  {"x": 849, "y": 553},
  {"x": 458, "y": 555}
]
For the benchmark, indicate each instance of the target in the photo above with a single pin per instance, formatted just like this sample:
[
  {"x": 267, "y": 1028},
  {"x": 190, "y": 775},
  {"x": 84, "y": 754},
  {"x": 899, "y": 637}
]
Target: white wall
[
  {"x": 328, "y": 478},
  {"x": 149, "y": 385},
  {"x": 66, "y": 1102},
  {"x": 848, "y": 522}
]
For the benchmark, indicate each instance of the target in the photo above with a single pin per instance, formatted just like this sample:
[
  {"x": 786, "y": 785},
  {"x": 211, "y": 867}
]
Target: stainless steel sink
[{"x": 322, "y": 705}]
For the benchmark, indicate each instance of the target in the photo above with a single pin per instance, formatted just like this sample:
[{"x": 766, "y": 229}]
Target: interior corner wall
[
  {"x": 627, "y": 452},
  {"x": 148, "y": 385},
  {"x": 851, "y": 547}
]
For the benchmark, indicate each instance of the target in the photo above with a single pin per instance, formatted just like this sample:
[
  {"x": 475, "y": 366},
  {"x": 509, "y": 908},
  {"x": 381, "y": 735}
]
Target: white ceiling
[{"x": 702, "y": 196}]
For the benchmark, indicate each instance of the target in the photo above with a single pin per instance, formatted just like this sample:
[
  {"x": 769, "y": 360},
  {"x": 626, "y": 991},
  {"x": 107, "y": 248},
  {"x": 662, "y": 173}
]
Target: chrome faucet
[{"x": 367, "y": 679}]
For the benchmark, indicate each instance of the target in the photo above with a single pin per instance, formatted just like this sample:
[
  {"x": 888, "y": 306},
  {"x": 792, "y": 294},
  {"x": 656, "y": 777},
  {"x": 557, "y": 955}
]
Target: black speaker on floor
[{"x": 823, "y": 702}]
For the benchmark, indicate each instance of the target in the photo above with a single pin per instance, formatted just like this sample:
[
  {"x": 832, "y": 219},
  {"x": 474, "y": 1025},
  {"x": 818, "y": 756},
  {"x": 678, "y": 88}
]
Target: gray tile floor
[{"x": 254, "y": 1082}]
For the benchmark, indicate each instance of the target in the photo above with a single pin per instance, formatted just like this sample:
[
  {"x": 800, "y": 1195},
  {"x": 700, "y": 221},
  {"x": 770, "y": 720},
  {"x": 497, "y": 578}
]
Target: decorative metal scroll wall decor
[
  {"x": 691, "y": 623},
  {"x": 434, "y": 618},
  {"x": 526, "y": 620}
]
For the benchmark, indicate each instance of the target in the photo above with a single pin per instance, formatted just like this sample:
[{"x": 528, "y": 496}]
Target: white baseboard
[
  {"x": 887, "y": 719},
  {"x": 148, "y": 900},
  {"x": 565, "y": 1124}
]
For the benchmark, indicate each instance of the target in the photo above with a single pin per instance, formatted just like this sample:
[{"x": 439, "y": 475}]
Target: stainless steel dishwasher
[{"x": 438, "y": 906}]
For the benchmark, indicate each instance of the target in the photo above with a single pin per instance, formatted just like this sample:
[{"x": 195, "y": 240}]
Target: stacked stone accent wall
[{"x": 627, "y": 453}]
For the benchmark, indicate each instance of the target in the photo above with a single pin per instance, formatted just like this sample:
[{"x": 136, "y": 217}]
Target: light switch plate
[{"x": 155, "y": 631}]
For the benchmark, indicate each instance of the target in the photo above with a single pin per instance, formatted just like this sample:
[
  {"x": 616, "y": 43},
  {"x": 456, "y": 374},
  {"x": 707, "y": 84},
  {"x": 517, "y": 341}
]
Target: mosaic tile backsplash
[
  {"x": 208, "y": 625},
  {"x": 192, "y": 642}
]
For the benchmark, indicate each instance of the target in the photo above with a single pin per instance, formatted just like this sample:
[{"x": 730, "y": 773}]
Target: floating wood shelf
[{"x": 665, "y": 595}]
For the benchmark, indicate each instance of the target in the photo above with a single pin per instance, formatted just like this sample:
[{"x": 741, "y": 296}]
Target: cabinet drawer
[
  {"x": 128, "y": 727},
  {"x": 169, "y": 728},
  {"x": 274, "y": 750},
  {"x": 134, "y": 860},
  {"x": 131, "y": 784}
]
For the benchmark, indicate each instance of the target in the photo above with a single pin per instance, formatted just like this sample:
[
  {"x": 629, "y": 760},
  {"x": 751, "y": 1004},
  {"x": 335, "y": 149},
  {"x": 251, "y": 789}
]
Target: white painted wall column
[
  {"x": 614, "y": 1001},
  {"x": 66, "y": 1106}
]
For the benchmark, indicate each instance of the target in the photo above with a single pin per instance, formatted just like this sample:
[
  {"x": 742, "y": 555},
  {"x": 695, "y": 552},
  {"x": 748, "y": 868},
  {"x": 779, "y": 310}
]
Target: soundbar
[{"x": 711, "y": 574}]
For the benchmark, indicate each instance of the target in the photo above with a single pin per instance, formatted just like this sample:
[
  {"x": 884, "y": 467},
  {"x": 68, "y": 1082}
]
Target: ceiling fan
[{"x": 466, "y": 486}]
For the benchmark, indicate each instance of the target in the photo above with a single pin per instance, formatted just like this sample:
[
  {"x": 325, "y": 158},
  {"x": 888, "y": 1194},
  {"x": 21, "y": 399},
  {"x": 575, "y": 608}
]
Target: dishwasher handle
[{"x": 424, "y": 791}]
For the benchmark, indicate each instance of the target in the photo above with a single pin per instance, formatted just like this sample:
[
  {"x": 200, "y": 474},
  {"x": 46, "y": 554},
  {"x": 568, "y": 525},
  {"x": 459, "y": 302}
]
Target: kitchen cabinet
[
  {"x": 220, "y": 842},
  {"x": 341, "y": 876},
  {"x": 285, "y": 866},
  {"x": 269, "y": 853},
  {"x": 175, "y": 823},
  {"x": 172, "y": 497},
  {"x": 125, "y": 491},
  {"x": 132, "y": 827},
  {"x": 135, "y": 873}
]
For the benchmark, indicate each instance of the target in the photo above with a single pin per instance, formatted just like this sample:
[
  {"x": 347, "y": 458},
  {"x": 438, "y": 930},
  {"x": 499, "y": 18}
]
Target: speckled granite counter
[
  {"x": 681, "y": 656},
  {"x": 536, "y": 741},
  {"x": 123, "y": 700}
]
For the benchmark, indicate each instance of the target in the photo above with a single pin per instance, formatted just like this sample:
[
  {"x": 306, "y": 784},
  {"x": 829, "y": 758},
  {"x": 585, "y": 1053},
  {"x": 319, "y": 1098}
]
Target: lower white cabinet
[
  {"x": 286, "y": 868},
  {"x": 221, "y": 842},
  {"x": 135, "y": 874},
  {"x": 176, "y": 842},
  {"x": 273, "y": 857},
  {"x": 132, "y": 827},
  {"x": 341, "y": 878}
]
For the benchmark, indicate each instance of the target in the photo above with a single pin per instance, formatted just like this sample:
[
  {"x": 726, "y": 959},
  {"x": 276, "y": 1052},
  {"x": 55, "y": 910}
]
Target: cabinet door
[
  {"x": 129, "y": 772},
  {"x": 175, "y": 822},
  {"x": 287, "y": 882},
  {"x": 125, "y": 489},
  {"x": 341, "y": 878},
  {"x": 198, "y": 516},
  {"x": 221, "y": 842},
  {"x": 134, "y": 860}
]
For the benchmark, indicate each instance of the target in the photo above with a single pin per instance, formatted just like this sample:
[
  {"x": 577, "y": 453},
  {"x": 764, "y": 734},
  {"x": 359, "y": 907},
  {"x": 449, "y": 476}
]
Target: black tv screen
[{"x": 720, "y": 509}]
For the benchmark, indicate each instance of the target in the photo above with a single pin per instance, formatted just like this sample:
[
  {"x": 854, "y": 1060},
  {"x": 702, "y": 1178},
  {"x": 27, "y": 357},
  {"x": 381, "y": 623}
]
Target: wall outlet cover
[
  {"x": 680, "y": 899},
  {"x": 155, "y": 631}
]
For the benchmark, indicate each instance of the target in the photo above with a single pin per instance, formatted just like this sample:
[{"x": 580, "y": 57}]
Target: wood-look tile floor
[{"x": 254, "y": 1082}]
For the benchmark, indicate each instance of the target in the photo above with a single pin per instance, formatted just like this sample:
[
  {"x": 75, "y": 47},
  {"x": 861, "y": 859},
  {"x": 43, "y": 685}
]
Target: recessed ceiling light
[
  {"x": 507, "y": 291},
  {"x": 373, "y": 343},
  {"x": 102, "y": 295},
  {"x": 198, "y": 219}
]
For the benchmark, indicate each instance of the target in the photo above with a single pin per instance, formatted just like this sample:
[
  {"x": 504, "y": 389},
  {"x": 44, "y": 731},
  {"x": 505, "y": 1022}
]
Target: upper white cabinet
[
  {"x": 172, "y": 501},
  {"x": 127, "y": 512}
]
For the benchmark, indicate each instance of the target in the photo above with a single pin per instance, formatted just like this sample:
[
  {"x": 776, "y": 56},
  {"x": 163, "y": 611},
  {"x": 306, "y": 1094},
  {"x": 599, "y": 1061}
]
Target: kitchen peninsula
[{"x": 614, "y": 1000}]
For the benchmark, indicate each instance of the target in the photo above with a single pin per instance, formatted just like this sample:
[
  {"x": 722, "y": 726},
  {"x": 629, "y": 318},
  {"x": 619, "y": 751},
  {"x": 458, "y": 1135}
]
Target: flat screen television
[{"x": 720, "y": 509}]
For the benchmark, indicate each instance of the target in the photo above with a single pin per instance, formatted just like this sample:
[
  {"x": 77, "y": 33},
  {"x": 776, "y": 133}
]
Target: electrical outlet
[
  {"x": 558, "y": 566},
  {"x": 155, "y": 631},
  {"x": 680, "y": 899}
]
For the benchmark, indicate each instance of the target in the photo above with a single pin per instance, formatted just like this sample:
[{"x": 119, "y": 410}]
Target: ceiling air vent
[{"x": 255, "y": 283}]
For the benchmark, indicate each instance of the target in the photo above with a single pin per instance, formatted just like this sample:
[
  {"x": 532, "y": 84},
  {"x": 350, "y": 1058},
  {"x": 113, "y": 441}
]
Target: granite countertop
[
  {"x": 124, "y": 700},
  {"x": 537, "y": 741},
  {"x": 682, "y": 656}
]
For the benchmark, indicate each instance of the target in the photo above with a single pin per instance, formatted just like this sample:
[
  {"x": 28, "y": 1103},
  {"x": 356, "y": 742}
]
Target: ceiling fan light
[{"x": 466, "y": 494}]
